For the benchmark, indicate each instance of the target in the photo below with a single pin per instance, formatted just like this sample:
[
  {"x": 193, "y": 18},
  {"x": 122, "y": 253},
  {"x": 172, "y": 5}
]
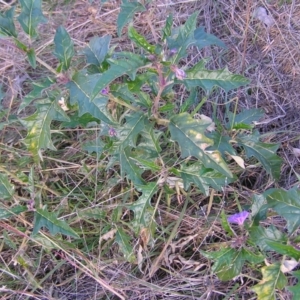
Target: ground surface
[{"x": 269, "y": 55}]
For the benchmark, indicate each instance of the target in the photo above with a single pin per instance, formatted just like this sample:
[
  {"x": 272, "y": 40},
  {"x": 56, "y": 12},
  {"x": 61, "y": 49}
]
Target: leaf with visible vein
[
  {"x": 123, "y": 240},
  {"x": 64, "y": 48},
  {"x": 228, "y": 262},
  {"x": 221, "y": 143},
  {"x": 140, "y": 40},
  {"x": 190, "y": 136},
  {"x": 142, "y": 208},
  {"x": 81, "y": 88},
  {"x": 6, "y": 188},
  {"x": 128, "y": 9},
  {"x": 129, "y": 167},
  {"x": 43, "y": 218},
  {"x": 198, "y": 76},
  {"x": 182, "y": 37},
  {"x": 7, "y": 26},
  {"x": 260, "y": 236},
  {"x": 36, "y": 93},
  {"x": 97, "y": 50},
  {"x": 287, "y": 205},
  {"x": 203, "y": 178},
  {"x": 38, "y": 126},
  {"x": 31, "y": 15},
  {"x": 273, "y": 279},
  {"x": 263, "y": 152},
  {"x": 124, "y": 63},
  {"x": 128, "y": 134},
  {"x": 6, "y": 213},
  {"x": 247, "y": 117}
]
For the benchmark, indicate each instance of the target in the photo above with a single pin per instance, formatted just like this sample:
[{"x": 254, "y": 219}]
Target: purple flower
[
  {"x": 112, "y": 132},
  {"x": 105, "y": 91},
  {"x": 173, "y": 51},
  {"x": 179, "y": 73},
  {"x": 238, "y": 218}
]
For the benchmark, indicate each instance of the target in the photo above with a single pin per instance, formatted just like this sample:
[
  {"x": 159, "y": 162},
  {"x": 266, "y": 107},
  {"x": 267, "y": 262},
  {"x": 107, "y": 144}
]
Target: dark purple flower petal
[
  {"x": 238, "y": 218},
  {"x": 105, "y": 91},
  {"x": 112, "y": 132},
  {"x": 180, "y": 74},
  {"x": 173, "y": 51}
]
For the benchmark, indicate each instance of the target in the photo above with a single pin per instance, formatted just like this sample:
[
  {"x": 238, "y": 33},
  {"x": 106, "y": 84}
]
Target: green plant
[{"x": 157, "y": 146}]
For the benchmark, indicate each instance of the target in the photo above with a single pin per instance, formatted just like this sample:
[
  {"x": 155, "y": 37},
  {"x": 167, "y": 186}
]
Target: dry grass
[{"x": 269, "y": 57}]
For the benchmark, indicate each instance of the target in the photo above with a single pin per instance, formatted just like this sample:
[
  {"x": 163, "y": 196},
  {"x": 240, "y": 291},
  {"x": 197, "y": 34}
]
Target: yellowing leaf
[
  {"x": 191, "y": 138},
  {"x": 38, "y": 126},
  {"x": 273, "y": 279}
]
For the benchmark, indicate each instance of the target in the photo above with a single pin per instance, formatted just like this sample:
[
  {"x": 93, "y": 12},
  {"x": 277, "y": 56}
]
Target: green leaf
[
  {"x": 128, "y": 9},
  {"x": 97, "y": 50},
  {"x": 190, "y": 135},
  {"x": 167, "y": 30},
  {"x": 76, "y": 121},
  {"x": 64, "y": 48},
  {"x": 229, "y": 262},
  {"x": 43, "y": 218},
  {"x": 261, "y": 236},
  {"x": 96, "y": 146},
  {"x": 287, "y": 205},
  {"x": 81, "y": 89},
  {"x": 6, "y": 213},
  {"x": 198, "y": 76},
  {"x": 135, "y": 123},
  {"x": 7, "y": 26},
  {"x": 182, "y": 37},
  {"x": 273, "y": 279},
  {"x": 129, "y": 167},
  {"x": 247, "y": 117},
  {"x": 38, "y": 126},
  {"x": 203, "y": 178},
  {"x": 140, "y": 40},
  {"x": 225, "y": 224},
  {"x": 6, "y": 188},
  {"x": 263, "y": 152},
  {"x": 21, "y": 46},
  {"x": 89, "y": 86},
  {"x": 36, "y": 93},
  {"x": 92, "y": 213},
  {"x": 31, "y": 15},
  {"x": 190, "y": 101},
  {"x": 296, "y": 288},
  {"x": 146, "y": 164},
  {"x": 150, "y": 141},
  {"x": 221, "y": 143},
  {"x": 31, "y": 58},
  {"x": 259, "y": 208},
  {"x": 142, "y": 208},
  {"x": 280, "y": 248},
  {"x": 121, "y": 91},
  {"x": 204, "y": 39},
  {"x": 123, "y": 240}
]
